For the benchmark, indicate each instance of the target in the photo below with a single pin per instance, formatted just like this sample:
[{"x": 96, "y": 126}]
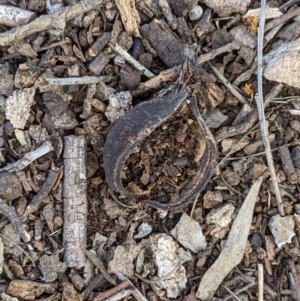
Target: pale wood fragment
[
  {"x": 227, "y": 7},
  {"x": 18, "y": 106},
  {"x": 271, "y": 12},
  {"x": 14, "y": 16},
  {"x": 45, "y": 22},
  {"x": 130, "y": 16},
  {"x": 29, "y": 290},
  {"x": 84, "y": 80},
  {"x": 75, "y": 201}
]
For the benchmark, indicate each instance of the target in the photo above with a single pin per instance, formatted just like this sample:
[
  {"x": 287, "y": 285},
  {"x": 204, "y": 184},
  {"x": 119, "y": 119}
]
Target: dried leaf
[{"x": 234, "y": 248}]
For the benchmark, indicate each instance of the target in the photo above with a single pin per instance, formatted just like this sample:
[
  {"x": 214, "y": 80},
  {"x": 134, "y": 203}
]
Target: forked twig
[{"x": 260, "y": 107}]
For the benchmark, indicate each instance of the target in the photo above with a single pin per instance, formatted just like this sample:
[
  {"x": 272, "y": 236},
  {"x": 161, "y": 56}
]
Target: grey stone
[
  {"x": 282, "y": 229},
  {"x": 256, "y": 240},
  {"x": 189, "y": 233},
  {"x": 195, "y": 13}
]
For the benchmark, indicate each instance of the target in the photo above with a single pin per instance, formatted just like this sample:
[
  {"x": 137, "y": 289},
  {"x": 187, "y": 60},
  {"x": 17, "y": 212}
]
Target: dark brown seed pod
[
  {"x": 139, "y": 123},
  {"x": 204, "y": 170},
  {"x": 130, "y": 130}
]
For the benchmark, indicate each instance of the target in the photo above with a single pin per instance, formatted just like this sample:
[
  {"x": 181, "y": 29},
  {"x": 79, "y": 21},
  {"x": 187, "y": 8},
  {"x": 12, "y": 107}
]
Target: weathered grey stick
[
  {"x": 84, "y": 80},
  {"x": 46, "y": 22},
  {"x": 75, "y": 201}
]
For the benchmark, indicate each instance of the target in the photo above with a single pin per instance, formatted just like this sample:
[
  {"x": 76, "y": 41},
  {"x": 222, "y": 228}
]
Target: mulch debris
[{"x": 134, "y": 162}]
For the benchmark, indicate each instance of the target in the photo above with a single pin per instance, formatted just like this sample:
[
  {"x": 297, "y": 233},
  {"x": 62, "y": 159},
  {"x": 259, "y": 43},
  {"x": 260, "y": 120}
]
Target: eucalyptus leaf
[{"x": 234, "y": 248}]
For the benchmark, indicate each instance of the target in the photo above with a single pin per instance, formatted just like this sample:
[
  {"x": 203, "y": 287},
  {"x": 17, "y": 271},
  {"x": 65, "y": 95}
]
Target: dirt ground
[{"x": 136, "y": 162}]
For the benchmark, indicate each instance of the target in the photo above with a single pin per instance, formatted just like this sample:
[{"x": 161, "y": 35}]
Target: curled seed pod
[{"x": 139, "y": 123}]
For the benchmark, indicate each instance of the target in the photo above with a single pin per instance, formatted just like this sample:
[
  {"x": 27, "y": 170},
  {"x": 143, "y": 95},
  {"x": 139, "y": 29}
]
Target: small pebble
[
  {"x": 282, "y": 229},
  {"x": 143, "y": 230},
  {"x": 256, "y": 240},
  {"x": 196, "y": 13}
]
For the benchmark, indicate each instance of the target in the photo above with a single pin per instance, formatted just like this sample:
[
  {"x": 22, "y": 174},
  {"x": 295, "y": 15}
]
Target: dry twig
[
  {"x": 155, "y": 82},
  {"x": 11, "y": 214},
  {"x": 231, "y": 293},
  {"x": 53, "y": 176},
  {"x": 137, "y": 293},
  {"x": 260, "y": 108},
  {"x": 215, "y": 52},
  {"x": 113, "y": 291},
  {"x": 260, "y": 282},
  {"x": 120, "y": 51},
  {"x": 229, "y": 86},
  {"x": 282, "y": 19},
  {"x": 17, "y": 246},
  {"x": 295, "y": 276},
  {"x": 84, "y": 80},
  {"x": 14, "y": 16},
  {"x": 28, "y": 158},
  {"x": 100, "y": 265}
]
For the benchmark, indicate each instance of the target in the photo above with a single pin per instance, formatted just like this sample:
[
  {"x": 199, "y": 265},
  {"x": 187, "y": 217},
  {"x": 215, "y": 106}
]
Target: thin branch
[
  {"x": 260, "y": 282},
  {"x": 98, "y": 262},
  {"x": 231, "y": 293},
  {"x": 215, "y": 52},
  {"x": 12, "y": 216},
  {"x": 155, "y": 82},
  {"x": 17, "y": 246},
  {"x": 288, "y": 4},
  {"x": 229, "y": 86},
  {"x": 84, "y": 80},
  {"x": 139, "y": 295},
  {"x": 283, "y": 18},
  {"x": 194, "y": 205},
  {"x": 28, "y": 158},
  {"x": 256, "y": 154},
  {"x": 260, "y": 107},
  {"x": 295, "y": 276},
  {"x": 230, "y": 187},
  {"x": 244, "y": 288},
  {"x": 111, "y": 292},
  {"x": 118, "y": 49}
]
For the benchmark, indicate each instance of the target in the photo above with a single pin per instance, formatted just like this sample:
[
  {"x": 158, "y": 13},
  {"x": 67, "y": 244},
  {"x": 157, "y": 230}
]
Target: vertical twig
[
  {"x": 296, "y": 277},
  {"x": 260, "y": 282},
  {"x": 260, "y": 107}
]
